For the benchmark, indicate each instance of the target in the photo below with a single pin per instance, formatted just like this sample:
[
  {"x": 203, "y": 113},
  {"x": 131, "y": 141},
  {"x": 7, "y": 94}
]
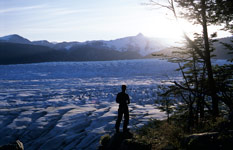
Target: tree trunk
[
  {"x": 211, "y": 81},
  {"x": 202, "y": 107},
  {"x": 190, "y": 117}
]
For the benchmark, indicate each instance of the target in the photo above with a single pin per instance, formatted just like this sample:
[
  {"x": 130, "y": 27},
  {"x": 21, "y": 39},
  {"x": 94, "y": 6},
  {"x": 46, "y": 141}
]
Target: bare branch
[
  {"x": 184, "y": 98},
  {"x": 158, "y": 4},
  {"x": 180, "y": 86},
  {"x": 185, "y": 35},
  {"x": 186, "y": 81}
]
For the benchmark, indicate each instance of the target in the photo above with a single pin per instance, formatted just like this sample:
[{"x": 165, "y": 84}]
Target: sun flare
[{"x": 163, "y": 27}]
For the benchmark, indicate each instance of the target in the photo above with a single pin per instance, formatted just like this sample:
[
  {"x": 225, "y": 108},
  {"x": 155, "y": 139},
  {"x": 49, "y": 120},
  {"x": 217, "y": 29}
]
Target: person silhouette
[{"x": 123, "y": 100}]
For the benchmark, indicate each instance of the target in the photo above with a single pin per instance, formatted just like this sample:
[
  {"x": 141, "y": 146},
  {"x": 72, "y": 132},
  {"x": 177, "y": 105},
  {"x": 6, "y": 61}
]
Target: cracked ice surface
[{"x": 52, "y": 106}]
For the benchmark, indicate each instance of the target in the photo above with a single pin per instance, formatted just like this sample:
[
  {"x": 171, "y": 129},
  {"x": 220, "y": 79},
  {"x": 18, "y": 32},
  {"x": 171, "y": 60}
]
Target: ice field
[{"x": 70, "y": 105}]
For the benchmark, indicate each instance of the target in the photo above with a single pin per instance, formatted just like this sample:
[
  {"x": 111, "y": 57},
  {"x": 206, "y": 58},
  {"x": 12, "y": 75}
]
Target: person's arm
[
  {"x": 117, "y": 99},
  {"x": 128, "y": 99}
]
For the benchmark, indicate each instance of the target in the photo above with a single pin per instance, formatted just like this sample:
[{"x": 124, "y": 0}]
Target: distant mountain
[
  {"x": 139, "y": 43},
  {"x": 16, "y": 49},
  {"x": 94, "y": 52},
  {"x": 220, "y": 51},
  {"x": 43, "y": 43},
  {"x": 14, "y": 38},
  {"x": 65, "y": 45},
  {"x": 15, "y": 53},
  {"x": 167, "y": 52}
]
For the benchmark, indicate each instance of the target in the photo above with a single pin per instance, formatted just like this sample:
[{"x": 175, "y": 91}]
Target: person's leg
[
  {"x": 118, "y": 122},
  {"x": 126, "y": 120}
]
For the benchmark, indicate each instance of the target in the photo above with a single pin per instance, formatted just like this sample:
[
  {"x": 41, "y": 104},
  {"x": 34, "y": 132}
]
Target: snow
[
  {"x": 143, "y": 45},
  {"x": 6, "y": 38},
  {"x": 10, "y": 37},
  {"x": 68, "y": 47},
  {"x": 70, "y": 105},
  {"x": 139, "y": 43},
  {"x": 14, "y": 38}
]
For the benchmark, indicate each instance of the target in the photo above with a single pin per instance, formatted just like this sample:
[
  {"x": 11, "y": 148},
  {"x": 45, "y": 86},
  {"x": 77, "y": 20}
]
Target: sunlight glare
[{"x": 165, "y": 28}]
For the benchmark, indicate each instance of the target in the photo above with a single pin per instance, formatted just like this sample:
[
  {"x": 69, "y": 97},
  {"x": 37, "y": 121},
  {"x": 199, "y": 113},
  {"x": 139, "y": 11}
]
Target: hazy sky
[{"x": 81, "y": 20}]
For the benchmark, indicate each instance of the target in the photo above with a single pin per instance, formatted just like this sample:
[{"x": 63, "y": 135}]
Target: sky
[{"x": 82, "y": 20}]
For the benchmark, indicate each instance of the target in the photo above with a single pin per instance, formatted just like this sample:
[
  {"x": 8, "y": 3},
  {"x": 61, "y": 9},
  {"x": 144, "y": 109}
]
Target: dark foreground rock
[
  {"x": 202, "y": 141},
  {"x": 121, "y": 141},
  {"x": 17, "y": 145},
  {"x": 209, "y": 140}
]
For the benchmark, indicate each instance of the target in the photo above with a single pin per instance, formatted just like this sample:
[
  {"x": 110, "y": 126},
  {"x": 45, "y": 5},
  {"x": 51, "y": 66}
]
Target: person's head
[{"x": 123, "y": 87}]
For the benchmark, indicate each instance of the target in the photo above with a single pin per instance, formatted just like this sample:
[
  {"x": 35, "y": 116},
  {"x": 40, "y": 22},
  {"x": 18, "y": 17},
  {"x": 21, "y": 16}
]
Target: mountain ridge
[
  {"x": 14, "y": 38},
  {"x": 220, "y": 51},
  {"x": 15, "y": 49},
  {"x": 139, "y": 43}
]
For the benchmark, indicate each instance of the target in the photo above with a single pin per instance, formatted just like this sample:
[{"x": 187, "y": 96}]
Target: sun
[
  {"x": 161, "y": 26},
  {"x": 163, "y": 29}
]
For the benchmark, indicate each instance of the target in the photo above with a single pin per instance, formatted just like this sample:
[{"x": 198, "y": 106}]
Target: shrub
[{"x": 104, "y": 140}]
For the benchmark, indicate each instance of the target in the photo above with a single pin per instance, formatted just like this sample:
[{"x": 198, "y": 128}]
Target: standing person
[{"x": 123, "y": 100}]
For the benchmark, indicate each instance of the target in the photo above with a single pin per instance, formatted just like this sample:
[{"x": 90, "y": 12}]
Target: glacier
[{"x": 70, "y": 105}]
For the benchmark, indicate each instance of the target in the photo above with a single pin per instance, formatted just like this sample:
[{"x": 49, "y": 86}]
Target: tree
[
  {"x": 166, "y": 101},
  {"x": 203, "y": 13},
  {"x": 191, "y": 89}
]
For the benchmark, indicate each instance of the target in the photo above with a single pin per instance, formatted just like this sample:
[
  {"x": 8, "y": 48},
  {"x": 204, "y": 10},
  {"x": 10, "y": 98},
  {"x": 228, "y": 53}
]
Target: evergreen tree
[
  {"x": 203, "y": 13},
  {"x": 166, "y": 100}
]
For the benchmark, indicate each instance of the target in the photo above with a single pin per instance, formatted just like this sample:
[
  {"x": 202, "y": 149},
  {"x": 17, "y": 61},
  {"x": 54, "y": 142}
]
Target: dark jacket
[{"x": 123, "y": 99}]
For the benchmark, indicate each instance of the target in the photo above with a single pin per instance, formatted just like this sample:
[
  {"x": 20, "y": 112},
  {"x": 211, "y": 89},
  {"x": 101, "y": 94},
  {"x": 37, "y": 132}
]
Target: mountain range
[
  {"x": 220, "y": 52},
  {"x": 139, "y": 43},
  {"x": 16, "y": 49}
]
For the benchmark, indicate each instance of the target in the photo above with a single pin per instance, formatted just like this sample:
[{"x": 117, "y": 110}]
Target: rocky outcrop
[
  {"x": 121, "y": 141},
  {"x": 17, "y": 145},
  {"x": 209, "y": 140}
]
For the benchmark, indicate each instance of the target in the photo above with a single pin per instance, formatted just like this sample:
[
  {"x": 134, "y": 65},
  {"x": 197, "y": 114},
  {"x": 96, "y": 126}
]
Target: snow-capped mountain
[
  {"x": 65, "y": 45},
  {"x": 43, "y": 43},
  {"x": 141, "y": 44},
  {"x": 14, "y": 38},
  {"x": 15, "y": 49}
]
